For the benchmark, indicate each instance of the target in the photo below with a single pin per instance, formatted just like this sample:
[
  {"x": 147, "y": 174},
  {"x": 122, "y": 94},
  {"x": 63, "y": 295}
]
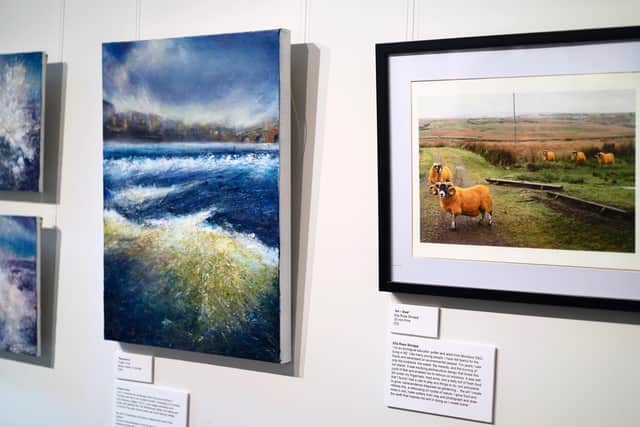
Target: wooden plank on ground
[
  {"x": 599, "y": 207},
  {"x": 526, "y": 184}
]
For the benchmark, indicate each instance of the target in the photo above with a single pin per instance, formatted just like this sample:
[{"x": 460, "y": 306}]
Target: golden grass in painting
[{"x": 195, "y": 268}]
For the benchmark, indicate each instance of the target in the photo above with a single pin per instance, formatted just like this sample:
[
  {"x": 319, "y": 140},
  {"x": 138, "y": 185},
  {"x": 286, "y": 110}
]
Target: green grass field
[
  {"x": 528, "y": 218},
  {"x": 608, "y": 184}
]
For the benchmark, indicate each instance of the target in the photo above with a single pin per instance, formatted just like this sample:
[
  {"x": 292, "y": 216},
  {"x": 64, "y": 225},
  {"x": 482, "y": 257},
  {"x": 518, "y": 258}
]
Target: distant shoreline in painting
[
  {"x": 19, "y": 285},
  {"x": 191, "y": 201},
  {"x": 558, "y": 164},
  {"x": 21, "y": 120}
]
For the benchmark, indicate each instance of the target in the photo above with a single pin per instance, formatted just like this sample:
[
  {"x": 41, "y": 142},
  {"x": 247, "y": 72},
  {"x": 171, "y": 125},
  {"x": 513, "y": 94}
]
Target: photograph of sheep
[
  {"x": 19, "y": 284},
  {"x": 536, "y": 162},
  {"x": 21, "y": 117},
  {"x": 191, "y": 161}
]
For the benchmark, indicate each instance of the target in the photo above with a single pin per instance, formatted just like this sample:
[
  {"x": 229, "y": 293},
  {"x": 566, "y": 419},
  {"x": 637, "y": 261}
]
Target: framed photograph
[{"x": 508, "y": 168}]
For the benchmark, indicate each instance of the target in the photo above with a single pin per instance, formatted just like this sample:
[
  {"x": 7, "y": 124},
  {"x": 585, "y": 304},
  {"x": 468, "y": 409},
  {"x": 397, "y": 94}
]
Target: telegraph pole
[{"x": 515, "y": 131}]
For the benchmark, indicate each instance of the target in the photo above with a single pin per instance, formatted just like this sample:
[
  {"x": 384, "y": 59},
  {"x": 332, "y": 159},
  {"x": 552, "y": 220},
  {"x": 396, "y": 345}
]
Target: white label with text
[
  {"x": 414, "y": 320},
  {"x": 134, "y": 367},
  {"x": 138, "y": 405},
  {"x": 440, "y": 377}
]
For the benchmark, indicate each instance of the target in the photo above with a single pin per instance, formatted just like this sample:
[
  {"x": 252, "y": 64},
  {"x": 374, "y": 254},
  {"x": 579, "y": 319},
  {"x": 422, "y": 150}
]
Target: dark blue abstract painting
[
  {"x": 21, "y": 103},
  {"x": 19, "y": 285},
  {"x": 191, "y": 202}
]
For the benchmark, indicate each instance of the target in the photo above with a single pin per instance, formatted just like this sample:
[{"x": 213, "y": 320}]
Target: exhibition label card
[
  {"x": 138, "y": 405},
  {"x": 414, "y": 320},
  {"x": 133, "y": 367},
  {"x": 440, "y": 377}
]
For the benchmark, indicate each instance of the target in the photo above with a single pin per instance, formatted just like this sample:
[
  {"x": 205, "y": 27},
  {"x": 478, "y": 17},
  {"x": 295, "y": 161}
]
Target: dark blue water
[{"x": 235, "y": 186}]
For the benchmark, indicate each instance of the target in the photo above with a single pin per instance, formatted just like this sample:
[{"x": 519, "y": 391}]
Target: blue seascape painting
[
  {"x": 191, "y": 164},
  {"x": 18, "y": 285},
  {"x": 21, "y": 100}
]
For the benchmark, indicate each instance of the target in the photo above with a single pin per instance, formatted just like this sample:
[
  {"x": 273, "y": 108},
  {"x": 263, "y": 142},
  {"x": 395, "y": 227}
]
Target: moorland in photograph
[{"x": 552, "y": 170}]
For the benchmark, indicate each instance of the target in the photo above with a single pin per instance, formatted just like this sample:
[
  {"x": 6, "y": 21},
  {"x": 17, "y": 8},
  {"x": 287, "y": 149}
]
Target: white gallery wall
[{"x": 555, "y": 366}]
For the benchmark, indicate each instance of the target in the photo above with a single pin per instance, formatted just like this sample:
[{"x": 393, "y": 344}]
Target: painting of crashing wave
[
  {"x": 21, "y": 117},
  {"x": 19, "y": 285},
  {"x": 192, "y": 161}
]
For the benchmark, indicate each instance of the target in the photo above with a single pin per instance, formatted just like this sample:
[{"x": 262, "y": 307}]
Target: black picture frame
[{"x": 499, "y": 43}]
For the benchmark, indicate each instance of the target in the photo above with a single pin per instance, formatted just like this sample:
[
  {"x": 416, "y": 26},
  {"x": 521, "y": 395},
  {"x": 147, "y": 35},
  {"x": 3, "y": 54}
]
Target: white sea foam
[
  {"x": 139, "y": 195},
  {"x": 178, "y": 228},
  {"x": 126, "y": 168},
  {"x": 186, "y": 223},
  {"x": 17, "y": 310},
  {"x": 15, "y": 119},
  {"x": 182, "y": 221},
  {"x": 114, "y": 217},
  {"x": 271, "y": 255}
]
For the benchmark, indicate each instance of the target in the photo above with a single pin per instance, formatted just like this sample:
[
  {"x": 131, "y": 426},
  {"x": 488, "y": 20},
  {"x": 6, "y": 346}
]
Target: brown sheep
[
  {"x": 549, "y": 156},
  {"x": 605, "y": 158},
  {"x": 471, "y": 201},
  {"x": 578, "y": 157},
  {"x": 439, "y": 173}
]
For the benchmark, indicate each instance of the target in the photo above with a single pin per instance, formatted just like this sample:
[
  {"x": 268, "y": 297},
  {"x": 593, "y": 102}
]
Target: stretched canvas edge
[
  {"x": 38, "y": 260},
  {"x": 285, "y": 196},
  {"x": 42, "y": 120}
]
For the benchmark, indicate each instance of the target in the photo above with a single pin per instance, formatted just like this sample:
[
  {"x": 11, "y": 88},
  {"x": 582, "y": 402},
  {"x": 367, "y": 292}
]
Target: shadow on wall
[
  {"x": 55, "y": 90},
  {"x": 307, "y": 64}
]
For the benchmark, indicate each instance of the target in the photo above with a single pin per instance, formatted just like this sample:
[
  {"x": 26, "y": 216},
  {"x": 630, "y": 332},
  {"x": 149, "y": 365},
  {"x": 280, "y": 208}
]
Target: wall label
[
  {"x": 139, "y": 405},
  {"x": 440, "y": 377},
  {"x": 414, "y": 320},
  {"x": 133, "y": 367}
]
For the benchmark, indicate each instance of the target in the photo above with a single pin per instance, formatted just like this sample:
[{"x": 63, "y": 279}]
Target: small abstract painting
[
  {"x": 21, "y": 120},
  {"x": 195, "y": 136},
  {"x": 19, "y": 285}
]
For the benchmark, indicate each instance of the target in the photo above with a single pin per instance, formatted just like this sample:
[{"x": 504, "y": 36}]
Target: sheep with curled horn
[{"x": 472, "y": 201}]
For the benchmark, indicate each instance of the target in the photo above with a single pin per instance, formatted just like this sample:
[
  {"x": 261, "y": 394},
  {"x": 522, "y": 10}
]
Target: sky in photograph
[
  {"x": 501, "y": 104},
  {"x": 230, "y": 79}
]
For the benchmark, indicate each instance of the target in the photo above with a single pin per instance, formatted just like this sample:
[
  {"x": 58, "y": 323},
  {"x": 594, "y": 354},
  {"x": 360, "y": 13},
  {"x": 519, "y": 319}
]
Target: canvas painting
[
  {"x": 19, "y": 285},
  {"x": 543, "y": 163},
  {"x": 195, "y": 150},
  {"x": 21, "y": 120}
]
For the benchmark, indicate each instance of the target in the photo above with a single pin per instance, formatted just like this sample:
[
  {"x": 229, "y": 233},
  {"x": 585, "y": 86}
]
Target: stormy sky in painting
[
  {"x": 231, "y": 80},
  {"x": 18, "y": 236}
]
